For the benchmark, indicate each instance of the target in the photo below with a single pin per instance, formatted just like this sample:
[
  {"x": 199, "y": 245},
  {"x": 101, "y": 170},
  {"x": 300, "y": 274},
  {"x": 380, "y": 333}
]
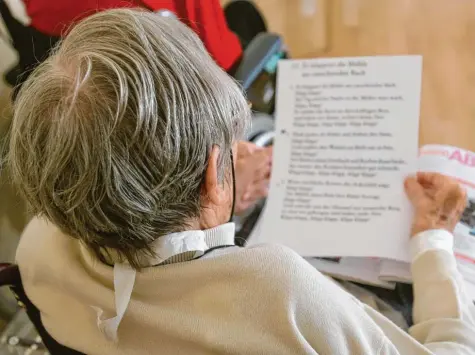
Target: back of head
[{"x": 111, "y": 135}]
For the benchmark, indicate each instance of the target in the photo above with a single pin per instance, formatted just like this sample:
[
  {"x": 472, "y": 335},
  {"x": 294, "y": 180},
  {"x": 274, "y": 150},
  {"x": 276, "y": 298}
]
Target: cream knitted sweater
[{"x": 259, "y": 300}]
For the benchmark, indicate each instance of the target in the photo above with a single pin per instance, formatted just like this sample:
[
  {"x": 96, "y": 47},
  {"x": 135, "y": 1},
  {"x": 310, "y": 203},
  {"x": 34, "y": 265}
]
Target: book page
[
  {"x": 391, "y": 270},
  {"x": 361, "y": 270},
  {"x": 346, "y": 137}
]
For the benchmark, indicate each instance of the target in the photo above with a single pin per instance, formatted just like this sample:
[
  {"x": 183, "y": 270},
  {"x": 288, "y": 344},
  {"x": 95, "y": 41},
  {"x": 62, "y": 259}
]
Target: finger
[
  {"x": 435, "y": 180},
  {"x": 269, "y": 173},
  {"x": 465, "y": 198},
  {"x": 246, "y": 148},
  {"x": 455, "y": 201},
  {"x": 269, "y": 150},
  {"x": 445, "y": 189},
  {"x": 414, "y": 190},
  {"x": 262, "y": 154},
  {"x": 253, "y": 162},
  {"x": 263, "y": 189},
  {"x": 257, "y": 191},
  {"x": 252, "y": 169},
  {"x": 262, "y": 174},
  {"x": 260, "y": 160},
  {"x": 241, "y": 207},
  {"x": 244, "y": 175}
]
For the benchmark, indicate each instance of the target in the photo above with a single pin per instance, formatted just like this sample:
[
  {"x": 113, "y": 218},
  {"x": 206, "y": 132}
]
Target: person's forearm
[{"x": 443, "y": 312}]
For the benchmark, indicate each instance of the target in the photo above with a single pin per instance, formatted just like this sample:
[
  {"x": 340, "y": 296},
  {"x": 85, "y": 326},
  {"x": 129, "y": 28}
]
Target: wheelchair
[{"x": 257, "y": 74}]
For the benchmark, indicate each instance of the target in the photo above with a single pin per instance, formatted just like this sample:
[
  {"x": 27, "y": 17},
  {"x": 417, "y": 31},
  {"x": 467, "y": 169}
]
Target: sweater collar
[
  {"x": 181, "y": 246},
  {"x": 192, "y": 244}
]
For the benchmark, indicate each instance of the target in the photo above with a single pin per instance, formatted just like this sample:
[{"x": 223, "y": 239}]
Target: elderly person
[{"x": 122, "y": 144}]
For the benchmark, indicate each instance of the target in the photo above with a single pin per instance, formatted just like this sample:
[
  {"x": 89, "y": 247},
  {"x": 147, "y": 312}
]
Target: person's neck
[{"x": 188, "y": 240}]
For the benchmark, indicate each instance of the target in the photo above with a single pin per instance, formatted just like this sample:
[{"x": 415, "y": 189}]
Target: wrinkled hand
[
  {"x": 253, "y": 167},
  {"x": 437, "y": 199}
]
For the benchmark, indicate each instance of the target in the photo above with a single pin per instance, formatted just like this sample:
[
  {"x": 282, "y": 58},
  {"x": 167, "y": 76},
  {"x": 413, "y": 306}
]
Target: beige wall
[
  {"x": 7, "y": 58},
  {"x": 443, "y": 31},
  {"x": 12, "y": 216},
  {"x": 7, "y": 55}
]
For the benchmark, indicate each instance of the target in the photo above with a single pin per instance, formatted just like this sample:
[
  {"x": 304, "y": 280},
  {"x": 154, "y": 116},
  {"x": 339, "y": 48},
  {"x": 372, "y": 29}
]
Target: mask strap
[{"x": 234, "y": 187}]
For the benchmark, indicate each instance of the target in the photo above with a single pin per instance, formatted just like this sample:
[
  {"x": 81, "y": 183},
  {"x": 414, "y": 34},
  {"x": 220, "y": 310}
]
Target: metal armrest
[{"x": 261, "y": 49}]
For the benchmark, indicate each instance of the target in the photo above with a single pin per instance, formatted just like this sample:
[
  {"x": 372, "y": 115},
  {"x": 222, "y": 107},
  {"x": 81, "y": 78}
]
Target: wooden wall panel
[
  {"x": 304, "y": 34},
  {"x": 442, "y": 31}
]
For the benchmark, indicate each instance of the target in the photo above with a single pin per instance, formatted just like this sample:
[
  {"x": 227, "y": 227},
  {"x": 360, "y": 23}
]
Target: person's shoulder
[
  {"x": 40, "y": 242},
  {"x": 275, "y": 253},
  {"x": 34, "y": 235},
  {"x": 283, "y": 270},
  {"x": 281, "y": 261}
]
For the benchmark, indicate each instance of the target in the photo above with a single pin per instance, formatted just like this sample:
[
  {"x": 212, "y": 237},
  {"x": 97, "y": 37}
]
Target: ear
[{"x": 212, "y": 188}]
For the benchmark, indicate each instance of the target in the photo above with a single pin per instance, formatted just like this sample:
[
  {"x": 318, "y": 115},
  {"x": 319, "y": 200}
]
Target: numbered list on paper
[{"x": 347, "y": 134}]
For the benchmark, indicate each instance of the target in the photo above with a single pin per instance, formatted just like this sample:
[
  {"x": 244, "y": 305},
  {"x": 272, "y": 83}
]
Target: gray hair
[{"x": 112, "y": 134}]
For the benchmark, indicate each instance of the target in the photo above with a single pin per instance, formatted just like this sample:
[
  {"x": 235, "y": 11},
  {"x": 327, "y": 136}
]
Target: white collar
[{"x": 165, "y": 247}]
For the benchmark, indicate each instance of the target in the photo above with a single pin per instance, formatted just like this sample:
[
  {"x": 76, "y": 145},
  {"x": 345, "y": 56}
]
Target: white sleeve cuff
[{"x": 434, "y": 239}]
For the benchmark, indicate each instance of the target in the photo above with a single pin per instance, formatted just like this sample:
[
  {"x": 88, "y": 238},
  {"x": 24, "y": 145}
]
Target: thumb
[
  {"x": 414, "y": 190},
  {"x": 246, "y": 148}
]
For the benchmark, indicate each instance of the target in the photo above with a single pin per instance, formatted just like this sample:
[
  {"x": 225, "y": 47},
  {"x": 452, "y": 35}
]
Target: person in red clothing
[
  {"x": 51, "y": 20},
  {"x": 205, "y": 17}
]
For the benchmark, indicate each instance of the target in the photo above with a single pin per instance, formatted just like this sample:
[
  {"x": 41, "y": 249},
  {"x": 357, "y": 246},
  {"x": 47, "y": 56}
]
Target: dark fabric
[
  {"x": 242, "y": 235},
  {"x": 12, "y": 75},
  {"x": 14, "y": 27},
  {"x": 32, "y": 46},
  {"x": 401, "y": 299},
  {"x": 10, "y": 276},
  {"x": 33, "y": 49},
  {"x": 233, "y": 207},
  {"x": 244, "y": 19},
  {"x": 210, "y": 250}
]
